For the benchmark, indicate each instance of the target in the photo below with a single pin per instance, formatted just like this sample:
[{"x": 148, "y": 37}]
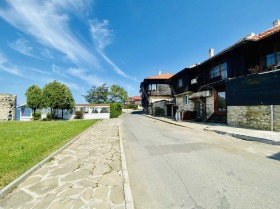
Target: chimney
[
  {"x": 159, "y": 72},
  {"x": 276, "y": 23},
  {"x": 211, "y": 53}
]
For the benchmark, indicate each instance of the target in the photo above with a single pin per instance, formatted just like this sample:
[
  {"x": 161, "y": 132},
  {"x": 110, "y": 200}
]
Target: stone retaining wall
[
  {"x": 257, "y": 117},
  {"x": 7, "y": 107}
]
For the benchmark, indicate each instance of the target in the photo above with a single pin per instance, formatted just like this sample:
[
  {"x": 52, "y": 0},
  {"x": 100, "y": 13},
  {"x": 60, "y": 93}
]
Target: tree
[
  {"x": 34, "y": 98},
  {"x": 117, "y": 94},
  {"x": 97, "y": 94},
  {"x": 58, "y": 96}
]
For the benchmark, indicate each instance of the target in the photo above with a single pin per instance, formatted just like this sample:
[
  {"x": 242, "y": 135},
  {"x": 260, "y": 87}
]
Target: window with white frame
[{"x": 152, "y": 87}]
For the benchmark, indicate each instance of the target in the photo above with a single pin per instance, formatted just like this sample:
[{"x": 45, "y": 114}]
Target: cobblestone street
[{"x": 87, "y": 174}]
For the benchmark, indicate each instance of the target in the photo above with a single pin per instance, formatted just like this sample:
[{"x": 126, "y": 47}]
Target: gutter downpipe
[{"x": 272, "y": 117}]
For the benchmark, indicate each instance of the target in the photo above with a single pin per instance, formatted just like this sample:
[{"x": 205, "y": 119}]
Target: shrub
[
  {"x": 115, "y": 110},
  {"x": 36, "y": 116},
  {"x": 49, "y": 116},
  {"x": 79, "y": 114},
  {"x": 131, "y": 106}
]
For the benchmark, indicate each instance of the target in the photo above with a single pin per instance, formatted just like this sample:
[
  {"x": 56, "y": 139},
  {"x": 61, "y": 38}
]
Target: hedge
[{"x": 115, "y": 110}]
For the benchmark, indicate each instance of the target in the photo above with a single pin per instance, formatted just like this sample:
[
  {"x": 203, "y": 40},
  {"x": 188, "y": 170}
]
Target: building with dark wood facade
[
  {"x": 239, "y": 86},
  {"x": 156, "y": 93}
]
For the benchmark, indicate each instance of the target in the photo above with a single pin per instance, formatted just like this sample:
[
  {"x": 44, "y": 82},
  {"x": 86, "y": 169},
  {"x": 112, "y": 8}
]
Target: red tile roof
[
  {"x": 162, "y": 76},
  {"x": 266, "y": 33},
  {"x": 92, "y": 105},
  {"x": 135, "y": 98}
]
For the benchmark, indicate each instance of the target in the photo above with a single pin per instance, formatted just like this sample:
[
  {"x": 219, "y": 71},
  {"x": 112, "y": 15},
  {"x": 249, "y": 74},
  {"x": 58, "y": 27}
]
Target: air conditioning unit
[
  {"x": 194, "y": 81},
  {"x": 206, "y": 93}
]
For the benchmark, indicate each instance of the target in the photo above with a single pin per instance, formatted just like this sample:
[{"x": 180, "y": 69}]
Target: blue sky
[{"x": 90, "y": 42}]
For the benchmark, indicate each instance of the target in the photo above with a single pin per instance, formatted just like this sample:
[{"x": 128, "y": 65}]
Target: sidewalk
[
  {"x": 87, "y": 174},
  {"x": 267, "y": 137}
]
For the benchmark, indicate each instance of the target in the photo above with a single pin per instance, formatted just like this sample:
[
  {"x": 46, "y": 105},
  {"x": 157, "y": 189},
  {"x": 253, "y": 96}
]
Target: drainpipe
[{"x": 272, "y": 117}]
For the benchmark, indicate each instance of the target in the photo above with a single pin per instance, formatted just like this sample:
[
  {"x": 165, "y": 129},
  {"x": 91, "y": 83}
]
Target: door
[
  {"x": 220, "y": 104},
  {"x": 169, "y": 110},
  {"x": 200, "y": 109}
]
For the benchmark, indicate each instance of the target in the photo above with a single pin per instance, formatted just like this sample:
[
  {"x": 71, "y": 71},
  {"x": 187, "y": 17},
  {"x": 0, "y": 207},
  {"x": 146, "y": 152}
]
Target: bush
[
  {"x": 36, "y": 116},
  {"x": 115, "y": 110},
  {"x": 49, "y": 116},
  {"x": 131, "y": 106},
  {"x": 79, "y": 114}
]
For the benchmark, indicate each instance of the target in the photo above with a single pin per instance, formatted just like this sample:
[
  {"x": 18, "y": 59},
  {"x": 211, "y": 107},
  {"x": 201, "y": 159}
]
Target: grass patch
[{"x": 24, "y": 144}]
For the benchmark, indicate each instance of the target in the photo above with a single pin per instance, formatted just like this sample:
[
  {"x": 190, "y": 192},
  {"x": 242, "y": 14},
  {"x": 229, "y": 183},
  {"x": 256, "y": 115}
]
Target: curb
[
  {"x": 247, "y": 138},
  {"x": 126, "y": 183},
  {"x": 238, "y": 136},
  {"x": 7, "y": 189},
  {"x": 173, "y": 123}
]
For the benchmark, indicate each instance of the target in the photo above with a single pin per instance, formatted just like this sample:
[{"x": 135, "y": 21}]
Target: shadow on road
[
  {"x": 137, "y": 112},
  {"x": 275, "y": 156}
]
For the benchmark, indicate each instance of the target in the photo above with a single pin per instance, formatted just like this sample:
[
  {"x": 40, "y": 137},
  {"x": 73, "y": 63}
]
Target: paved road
[{"x": 176, "y": 167}]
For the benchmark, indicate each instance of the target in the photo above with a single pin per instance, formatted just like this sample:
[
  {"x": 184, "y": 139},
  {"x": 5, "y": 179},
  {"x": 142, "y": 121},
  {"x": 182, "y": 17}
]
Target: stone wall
[
  {"x": 209, "y": 105},
  {"x": 181, "y": 103},
  {"x": 256, "y": 117},
  {"x": 7, "y": 107},
  {"x": 160, "y": 104}
]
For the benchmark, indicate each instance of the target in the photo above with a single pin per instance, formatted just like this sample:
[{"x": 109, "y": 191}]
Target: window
[
  {"x": 221, "y": 101},
  {"x": 269, "y": 60},
  {"x": 180, "y": 82},
  {"x": 219, "y": 70},
  {"x": 186, "y": 99},
  {"x": 272, "y": 58},
  {"x": 152, "y": 87}
]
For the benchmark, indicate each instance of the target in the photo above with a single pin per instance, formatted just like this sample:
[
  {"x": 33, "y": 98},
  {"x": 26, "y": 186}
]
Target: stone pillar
[{"x": 7, "y": 107}]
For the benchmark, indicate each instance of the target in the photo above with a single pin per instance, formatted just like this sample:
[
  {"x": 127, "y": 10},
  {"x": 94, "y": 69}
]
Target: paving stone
[
  {"x": 87, "y": 183},
  {"x": 112, "y": 179},
  {"x": 101, "y": 193},
  {"x": 79, "y": 204},
  {"x": 44, "y": 186},
  {"x": 101, "y": 169},
  {"x": 71, "y": 193},
  {"x": 14, "y": 199},
  {"x": 30, "y": 181},
  {"x": 42, "y": 171},
  {"x": 87, "y": 194},
  {"x": 67, "y": 159},
  {"x": 45, "y": 202},
  {"x": 62, "y": 204},
  {"x": 117, "y": 195},
  {"x": 80, "y": 174},
  {"x": 115, "y": 165},
  {"x": 64, "y": 170},
  {"x": 101, "y": 205}
]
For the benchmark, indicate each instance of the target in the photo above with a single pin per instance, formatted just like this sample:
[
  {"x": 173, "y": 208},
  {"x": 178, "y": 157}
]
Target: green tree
[
  {"x": 97, "y": 94},
  {"x": 67, "y": 101},
  {"x": 34, "y": 98},
  {"x": 117, "y": 94},
  {"x": 58, "y": 96}
]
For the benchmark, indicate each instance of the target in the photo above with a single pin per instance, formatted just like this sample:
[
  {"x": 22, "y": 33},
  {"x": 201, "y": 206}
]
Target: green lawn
[{"x": 24, "y": 144}]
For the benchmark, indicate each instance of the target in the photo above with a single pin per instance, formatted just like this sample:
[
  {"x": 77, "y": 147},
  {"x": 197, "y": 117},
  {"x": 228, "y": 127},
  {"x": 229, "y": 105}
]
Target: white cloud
[
  {"x": 22, "y": 45},
  {"x": 102, "y": 37},
  {"x": 2, "y": 59},
  {"x": 58, "y": 70},
  {"x": 84, "y": 75},
  {"x": 48, "y": 22}
]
